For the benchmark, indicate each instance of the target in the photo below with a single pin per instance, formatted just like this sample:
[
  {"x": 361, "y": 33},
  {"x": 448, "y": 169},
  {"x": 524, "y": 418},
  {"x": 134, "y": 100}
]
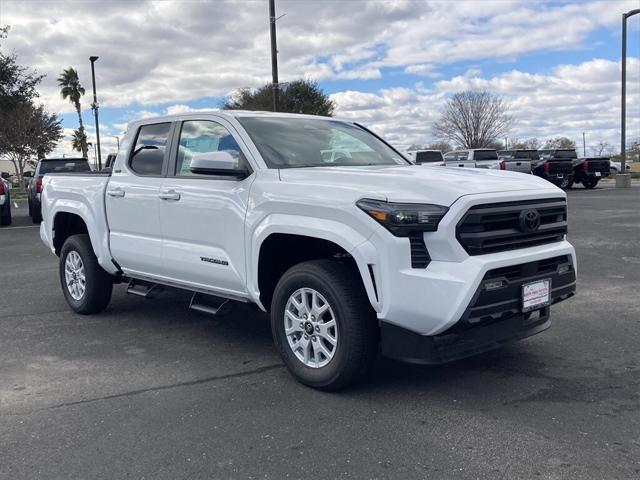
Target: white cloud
[
  {"x": 568, "y": 101},
  {"x": 170, "y": 51}
]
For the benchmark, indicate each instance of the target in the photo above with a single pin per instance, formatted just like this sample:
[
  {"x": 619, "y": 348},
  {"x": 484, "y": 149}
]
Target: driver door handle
[
  {"x": 116, "y": 192},
  {"x": 169, "y": 195}
]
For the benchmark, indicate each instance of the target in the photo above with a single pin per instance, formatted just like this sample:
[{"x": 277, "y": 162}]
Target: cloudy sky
[{"x": 387, "y": 63}]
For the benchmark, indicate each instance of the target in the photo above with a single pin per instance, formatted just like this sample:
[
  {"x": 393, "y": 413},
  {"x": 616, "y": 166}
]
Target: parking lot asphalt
[{"x": 149, "y": 389}]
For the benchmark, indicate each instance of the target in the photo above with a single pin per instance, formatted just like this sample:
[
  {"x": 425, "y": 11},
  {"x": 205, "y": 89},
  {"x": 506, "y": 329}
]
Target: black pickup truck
[
  {"x": 590, "y": 170},
  {"x": 556, "y": 166}
]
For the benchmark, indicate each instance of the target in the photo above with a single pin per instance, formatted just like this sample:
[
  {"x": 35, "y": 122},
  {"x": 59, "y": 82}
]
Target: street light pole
[
  {"x": 95, "y": 108},
  {"x": 274, "y": 54},
  {"x": 624, "y": 180},
  {"x": 584, "y": 146}
]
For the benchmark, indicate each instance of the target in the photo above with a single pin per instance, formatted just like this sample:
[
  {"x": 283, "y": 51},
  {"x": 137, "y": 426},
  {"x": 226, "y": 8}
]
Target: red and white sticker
[{"x": 536, "y": 295}]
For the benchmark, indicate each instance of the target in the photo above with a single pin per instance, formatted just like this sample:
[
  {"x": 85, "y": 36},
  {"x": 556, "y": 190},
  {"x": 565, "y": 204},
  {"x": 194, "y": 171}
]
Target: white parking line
[{"x": 16, "y": 228}]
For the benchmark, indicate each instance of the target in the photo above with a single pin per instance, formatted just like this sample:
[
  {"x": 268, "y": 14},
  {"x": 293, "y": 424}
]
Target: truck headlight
[{"x": 401, "y": 219}]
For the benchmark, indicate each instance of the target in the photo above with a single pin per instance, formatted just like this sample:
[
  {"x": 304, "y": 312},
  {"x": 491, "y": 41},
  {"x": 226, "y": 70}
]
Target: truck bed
[{"x": 81, "y": 194}]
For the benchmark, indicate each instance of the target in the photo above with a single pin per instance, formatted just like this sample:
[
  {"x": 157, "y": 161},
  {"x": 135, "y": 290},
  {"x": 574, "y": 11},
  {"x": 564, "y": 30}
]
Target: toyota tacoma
[{"x": 351, "y": 254}]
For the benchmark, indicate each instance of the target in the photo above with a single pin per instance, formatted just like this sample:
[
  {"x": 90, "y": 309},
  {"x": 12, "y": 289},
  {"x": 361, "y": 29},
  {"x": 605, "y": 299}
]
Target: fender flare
[
  {"x": 99, "y": 242},
  {"x": 342, "y": 235}
]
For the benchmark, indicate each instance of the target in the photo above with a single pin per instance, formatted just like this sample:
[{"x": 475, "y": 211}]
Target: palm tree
[
  {"x": 78, "y": 139},
  {"x": 71, "y": 89}
]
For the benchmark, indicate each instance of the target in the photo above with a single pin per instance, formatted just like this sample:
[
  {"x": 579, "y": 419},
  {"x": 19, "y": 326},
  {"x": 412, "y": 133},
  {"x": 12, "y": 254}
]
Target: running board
[
  {"x": 143, "y": 289},
  {"x": 208, "y": 303}
]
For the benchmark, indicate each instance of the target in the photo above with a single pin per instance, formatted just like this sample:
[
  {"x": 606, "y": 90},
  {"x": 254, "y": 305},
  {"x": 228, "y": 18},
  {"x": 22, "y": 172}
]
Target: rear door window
[{"x": 149, "y": 153}]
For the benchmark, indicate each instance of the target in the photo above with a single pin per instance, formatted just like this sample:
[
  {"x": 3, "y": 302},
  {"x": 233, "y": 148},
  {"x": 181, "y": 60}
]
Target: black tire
[
  {"x": 98, "y": 283},
  {"x": 30, "y": 209},
  {"x": 5, "y": 217},
  {"x": 565, "y": 183},
  {"x": 36, "y": 215},
  {"x": 590, "y": 182},
  {"x": 357, "y": 329}
]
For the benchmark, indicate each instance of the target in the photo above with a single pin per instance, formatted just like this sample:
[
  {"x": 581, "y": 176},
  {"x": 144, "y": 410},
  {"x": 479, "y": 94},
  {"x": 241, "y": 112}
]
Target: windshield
[
  {"x": 308, "y": 142},
  {"x": 55, "y": 166},
  {"x": 428, "y": 157},
  {"x": 485, "y": 155}
]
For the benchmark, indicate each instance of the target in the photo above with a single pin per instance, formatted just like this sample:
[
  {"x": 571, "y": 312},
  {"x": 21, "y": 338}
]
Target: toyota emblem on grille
[{"x": 529, "y": 221}]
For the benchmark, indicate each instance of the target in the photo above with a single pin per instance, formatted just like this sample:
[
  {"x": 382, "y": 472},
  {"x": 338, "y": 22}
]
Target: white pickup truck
[{"x": 352, "y": 254}]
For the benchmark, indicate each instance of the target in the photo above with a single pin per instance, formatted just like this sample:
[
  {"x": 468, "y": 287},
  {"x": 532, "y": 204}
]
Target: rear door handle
[
  {"x": 169, "y": 195},
  {"x": 116, "y": 192}
]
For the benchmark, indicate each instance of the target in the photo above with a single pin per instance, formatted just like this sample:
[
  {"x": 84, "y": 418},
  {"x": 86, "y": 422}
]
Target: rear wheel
[
  {"x": 36, "y": 215},
  {"x": 86, "y": 285},
  {"x": 323, "y": 325},
  {"x": 590, "y": 182},
  {"x": 566, "y": 183},
  {"x": 5, "y": 216}
]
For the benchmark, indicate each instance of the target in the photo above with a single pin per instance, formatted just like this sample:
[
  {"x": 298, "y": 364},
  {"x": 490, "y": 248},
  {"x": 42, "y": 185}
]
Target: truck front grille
[{"x": 498, "y": 227}]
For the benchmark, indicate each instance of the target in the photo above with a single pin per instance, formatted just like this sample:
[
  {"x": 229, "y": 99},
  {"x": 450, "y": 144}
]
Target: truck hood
[{"x": 415, "y": 184}]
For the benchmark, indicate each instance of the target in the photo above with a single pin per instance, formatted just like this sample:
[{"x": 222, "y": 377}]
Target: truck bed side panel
[{"x": 82, "y": 195}]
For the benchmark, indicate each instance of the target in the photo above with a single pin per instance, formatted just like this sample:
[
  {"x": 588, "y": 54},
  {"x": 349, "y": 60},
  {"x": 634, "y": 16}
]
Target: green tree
[
  {"x": 70, "y": 88},
  {"x": 299, "y": 96},
  {"x": 474, "y": 119},
  {"x": 27, "y": 131},
  {"x": 559, "y": 143}
]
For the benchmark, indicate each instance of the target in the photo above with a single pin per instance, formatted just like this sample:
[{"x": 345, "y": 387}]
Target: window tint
[
  {"x": 428, "y": 157},
  {"x": 149, "y": 152},
  {"x": 54, "y": 166},
  {"x": 485, "y": 155},
  {"x": 462, "y": 156},
  {"x": 204, "y": 136},
  {"x": 310, "y": 142}
]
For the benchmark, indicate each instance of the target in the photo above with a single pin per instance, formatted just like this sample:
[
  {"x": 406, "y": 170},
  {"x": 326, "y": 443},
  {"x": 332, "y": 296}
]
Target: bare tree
[
  {"x": 442, "y": 146},
  {"x": 559, "y": 142},
  {"x": 530, "y": 144},
  {"x": 474, "y": 119},
  {"x": 601, "y": 148}
]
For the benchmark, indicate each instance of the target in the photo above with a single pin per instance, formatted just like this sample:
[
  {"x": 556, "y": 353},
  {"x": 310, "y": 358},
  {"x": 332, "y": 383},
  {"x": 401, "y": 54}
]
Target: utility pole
[
  {"x": 95, "y": 108},
  {"x": 506, "y": 143},
  {"x": 624, "y": 179},
  {"x": 584, "y": 146},
  {"x": 274, "y": 54}
]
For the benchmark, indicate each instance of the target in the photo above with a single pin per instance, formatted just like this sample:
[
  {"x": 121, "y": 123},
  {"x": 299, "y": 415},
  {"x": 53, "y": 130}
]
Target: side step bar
[
  {"x": 144, "y": 289},
  {"x": 210, "y": 304}
]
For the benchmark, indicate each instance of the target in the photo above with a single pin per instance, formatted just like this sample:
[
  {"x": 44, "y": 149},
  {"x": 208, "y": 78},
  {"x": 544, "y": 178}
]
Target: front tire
[
  {"x": 323, "y": 325},
  {"x": 86, "y": 286}
]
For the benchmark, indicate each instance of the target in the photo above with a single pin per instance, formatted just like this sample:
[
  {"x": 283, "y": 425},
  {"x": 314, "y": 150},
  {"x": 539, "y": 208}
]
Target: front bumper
[{"x": 492, "y": 318}]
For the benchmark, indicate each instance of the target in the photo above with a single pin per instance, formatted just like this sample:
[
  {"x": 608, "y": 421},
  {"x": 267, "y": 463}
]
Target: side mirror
[{"x": 216, "y": 163}]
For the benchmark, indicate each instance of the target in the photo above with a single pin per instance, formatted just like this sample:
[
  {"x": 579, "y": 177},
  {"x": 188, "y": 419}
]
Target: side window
[
  {"x": 462, "y": 156},
  {"x": 205, "y": 136},
  {"x": 149, "y": 151},
  {"x": 450, "y": 157}
]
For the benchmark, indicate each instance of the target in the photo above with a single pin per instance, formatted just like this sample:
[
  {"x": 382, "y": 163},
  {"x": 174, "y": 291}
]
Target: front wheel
[
  {"x": 323, "y": 324},
  {"x": 86, "y": 285},
  {"x": 590, "y": 182}
]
